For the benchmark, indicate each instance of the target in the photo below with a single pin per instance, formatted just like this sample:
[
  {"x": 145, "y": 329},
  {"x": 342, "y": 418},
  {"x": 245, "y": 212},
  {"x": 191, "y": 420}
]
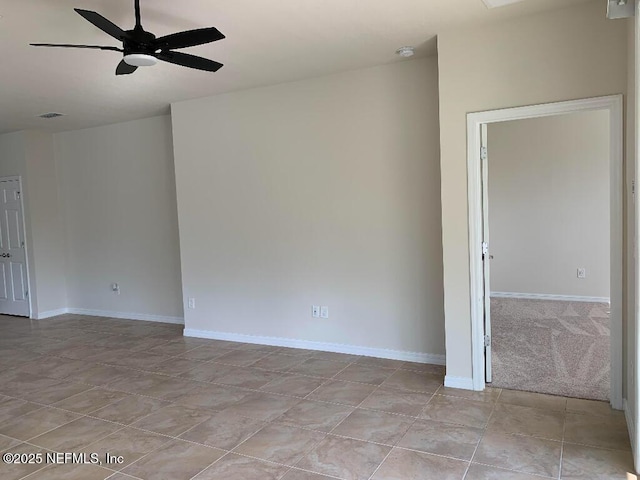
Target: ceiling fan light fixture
[{"x": 140, "y": 60}]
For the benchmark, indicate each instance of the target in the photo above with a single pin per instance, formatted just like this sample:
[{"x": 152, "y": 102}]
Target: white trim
[
  {"x": 549, "y": 296},
  {"x": 127, "y": 316},
  {"x": 464, "y": 383},
  {"x": 613, "y": 104},
  {"x": 417, "y": 357},
  {"x": 631, "y": 425},
  {"x": 27, "y": 249},
  {"x": 51, "y": 313}
]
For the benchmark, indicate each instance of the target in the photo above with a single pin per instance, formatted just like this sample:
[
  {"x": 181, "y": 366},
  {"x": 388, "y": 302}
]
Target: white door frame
[
  {"x": 26, "y": 243},
  {"x": 612, "y": 104}
]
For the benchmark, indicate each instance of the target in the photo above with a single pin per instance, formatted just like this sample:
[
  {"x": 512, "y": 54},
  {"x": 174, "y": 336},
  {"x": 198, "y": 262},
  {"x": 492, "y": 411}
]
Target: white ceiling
[{"x": 284, "y": 41}]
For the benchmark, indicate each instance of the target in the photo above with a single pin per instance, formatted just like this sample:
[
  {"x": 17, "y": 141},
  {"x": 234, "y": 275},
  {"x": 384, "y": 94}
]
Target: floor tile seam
[
  {"x": 212, "y": 463},
  {"x": 564, "y": 429},
  {"x": 26, "y": 477},
  {"x": 381, "y": 463},
  {"x": 50, "y": 430},
  {"x": 314, "y": 472},
  {"x": 492, "y": 402},
  {"x": 290, "y": 467},
  {"x": 540, "y": 409},
  {"x": 125, "y": 474},
  {"x": 512, "y": 470},
  {"x": 450, "y": 457},
  {"x": 402, "y": 415},
  {"x": 355, "y": 408},
  {"x": 380, "y": 444},
  {"x": 122, "y": 427},
  {"x": 54, "y": 451},
  {"x": 169, "y": 439},
  {"x": 84, "y": 416},
  {"x": 527, "y": 435},
  {"x": 298, "y": 460},
  {"x": 482, "y": 435},
  {"x": 598, "y": 447},
  {"x": 41, "y": 406}
]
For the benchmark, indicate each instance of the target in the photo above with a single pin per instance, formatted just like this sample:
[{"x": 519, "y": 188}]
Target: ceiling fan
[{"x": 142, "y": 48}]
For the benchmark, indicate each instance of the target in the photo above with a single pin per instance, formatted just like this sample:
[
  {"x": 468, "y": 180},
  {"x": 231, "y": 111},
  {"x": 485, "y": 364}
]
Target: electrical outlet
[
  {"x": 324, "y": 312},
  {"x": 115, "y": 288},
  {"x": 315, "y": 311},
  {"x": 582, "y": 273},
  {"x": 192, "y": 302}
]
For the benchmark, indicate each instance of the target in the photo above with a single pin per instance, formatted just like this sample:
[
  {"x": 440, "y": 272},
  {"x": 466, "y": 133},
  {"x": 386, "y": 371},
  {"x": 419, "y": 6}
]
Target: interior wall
[
  {"x": 549, "y": 208},
  {"x": 29, "y": 154},
  {"x": 561, "y": 55},
  {"x": 317, "y": 192},
  {"x": 117, "y": 189},
  {"x": 13, "y": 153},
  {"x": 47, "y": 226}
]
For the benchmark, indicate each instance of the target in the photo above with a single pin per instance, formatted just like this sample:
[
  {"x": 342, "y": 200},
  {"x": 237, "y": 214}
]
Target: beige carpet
[{"x": 555, "y": 347}]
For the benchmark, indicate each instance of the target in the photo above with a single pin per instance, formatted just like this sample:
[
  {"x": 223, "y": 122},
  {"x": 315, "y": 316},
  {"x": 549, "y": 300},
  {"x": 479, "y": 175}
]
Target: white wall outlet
[
  {"x": 582, "y": 273},
  {"x": 192, "y": 302},
  {"x": 315, "y": 311},
  {"x": 324, "y": 312},
  {"x": 115, "y": 288}
]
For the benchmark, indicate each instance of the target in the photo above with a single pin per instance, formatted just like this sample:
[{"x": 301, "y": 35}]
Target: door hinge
[
  {"x": 18, "y": 195},
  {"x": 483, "y": 153},
  {"x": 26, "y": 294},
  {"x": 22, "y": 244},
  {"x": 485, "y": 248},
  {"x": 487, "y": 340}
]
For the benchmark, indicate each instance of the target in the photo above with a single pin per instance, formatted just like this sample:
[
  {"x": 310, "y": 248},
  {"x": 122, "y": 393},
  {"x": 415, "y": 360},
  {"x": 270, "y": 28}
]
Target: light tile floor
[{"x": 179, "y": 408}]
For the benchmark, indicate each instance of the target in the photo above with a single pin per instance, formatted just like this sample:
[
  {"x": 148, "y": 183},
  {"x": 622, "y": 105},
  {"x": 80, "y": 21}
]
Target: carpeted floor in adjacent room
[{"x": 554, "y": 347}]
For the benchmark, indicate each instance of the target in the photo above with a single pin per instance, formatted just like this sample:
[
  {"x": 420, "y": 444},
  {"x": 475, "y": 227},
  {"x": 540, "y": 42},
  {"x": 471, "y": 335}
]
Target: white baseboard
[
  {"x": 128, "y": 316},
  {"x": 547, "y": 296},
  {"x": 417, "y": 357},
  {"x": 50, "y": 313},
  {"x": 105, "y": 313},
  {"x": 631, "y": 426},
  {"x": 463, "y": 383}
]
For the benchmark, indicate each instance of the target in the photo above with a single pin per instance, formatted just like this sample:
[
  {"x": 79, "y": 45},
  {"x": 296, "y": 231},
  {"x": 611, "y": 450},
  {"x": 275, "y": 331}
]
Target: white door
[
  {"x": 486, "y": 257},
  {"x": 14, "y": 287}
]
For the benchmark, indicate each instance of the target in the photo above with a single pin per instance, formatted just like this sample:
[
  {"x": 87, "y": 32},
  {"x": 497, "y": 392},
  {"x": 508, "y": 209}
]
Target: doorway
[
  {"x": 14, "y": 283},
  {"x": 479, "y": 125}
]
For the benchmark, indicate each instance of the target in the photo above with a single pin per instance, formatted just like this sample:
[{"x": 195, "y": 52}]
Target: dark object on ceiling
[{"x": 142, "y": 48}]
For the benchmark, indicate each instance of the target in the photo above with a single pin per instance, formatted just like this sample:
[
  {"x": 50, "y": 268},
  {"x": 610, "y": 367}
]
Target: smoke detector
[
  {"x": 405, "y": 52},
  {"x": 499, "y": 3}
]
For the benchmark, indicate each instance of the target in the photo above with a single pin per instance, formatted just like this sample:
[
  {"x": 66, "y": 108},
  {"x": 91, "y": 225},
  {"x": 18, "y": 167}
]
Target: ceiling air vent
[{"x": 51, "y": 115}]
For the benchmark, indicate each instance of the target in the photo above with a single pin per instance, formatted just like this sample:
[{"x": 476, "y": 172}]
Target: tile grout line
[
  {"x": 484, "y": 431},
  {"x": 564, "y": 429}
]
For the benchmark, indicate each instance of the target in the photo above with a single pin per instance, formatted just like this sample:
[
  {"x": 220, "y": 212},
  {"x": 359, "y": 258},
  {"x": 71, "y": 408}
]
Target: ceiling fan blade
[
  {"x": 190, "y": 61},
  {"x": 189, "y": 38},
  {"x": 125, "y": 69},
  {"x": 66, "y": 45},
  {"x": 103, "y": 24}
]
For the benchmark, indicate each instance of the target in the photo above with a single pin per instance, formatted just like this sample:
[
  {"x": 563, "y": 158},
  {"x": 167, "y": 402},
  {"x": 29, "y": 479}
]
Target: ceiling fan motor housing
[{"x": 139, "y": 41}]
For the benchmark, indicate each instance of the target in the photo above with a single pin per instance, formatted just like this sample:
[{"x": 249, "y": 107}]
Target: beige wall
[
  {"x": 47, "y": 226},
  {"x": 549, "y": 205},
  {"x": 318, "y": 192},
  {"x": 560, "y": 55},
  {"x": 29, "y": 154},
  {"x": 118, "y": 193}
]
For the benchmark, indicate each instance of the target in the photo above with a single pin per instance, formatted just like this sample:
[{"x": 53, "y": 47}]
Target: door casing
[
  {"x": 612, "y": 104},
  {"x": 26, "y": 245}
]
